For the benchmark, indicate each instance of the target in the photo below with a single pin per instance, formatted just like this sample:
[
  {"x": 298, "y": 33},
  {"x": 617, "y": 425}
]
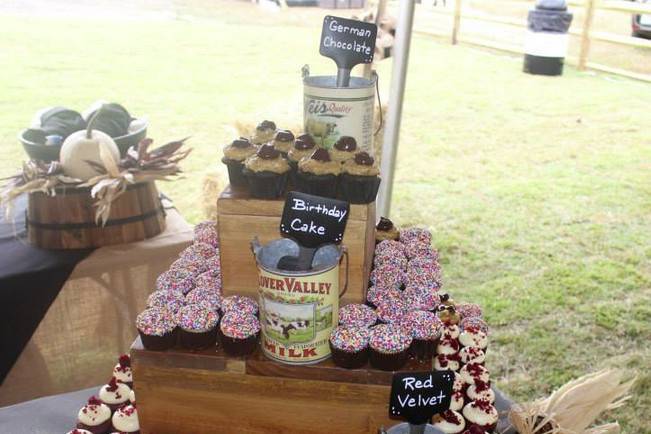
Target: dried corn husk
[{"x": 574, "y": 407}]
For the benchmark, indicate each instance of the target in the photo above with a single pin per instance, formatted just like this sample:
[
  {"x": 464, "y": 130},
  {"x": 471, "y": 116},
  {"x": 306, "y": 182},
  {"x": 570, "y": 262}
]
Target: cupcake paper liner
[
  {"x": 423, "y": 350},
  {"x": 358, "y": 189},
  {"x": 349, "y": 360},
  {"x": 235, "y": 175},
  {"x": 266, "y": 185},
  {"x": 318, "y": 185},
  {"x": 198, "y": 340},
  {"x": 158, "y": 343},
  {"x": 102, "y": 428},
  {"x": 388, "y": 362},
  {"x": 238, "y": 347}
]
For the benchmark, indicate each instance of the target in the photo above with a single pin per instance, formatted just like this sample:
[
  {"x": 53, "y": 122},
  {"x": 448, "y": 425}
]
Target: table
[{"x": 90, "y": 322}]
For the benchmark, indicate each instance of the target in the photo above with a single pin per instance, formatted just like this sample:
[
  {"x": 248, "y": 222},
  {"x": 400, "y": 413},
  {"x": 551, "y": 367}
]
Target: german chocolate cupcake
[
  {"x": 234, "y": 156},
  {"x": 344, "y": 149},
  {"x": 304, "y": 146},
  {"x": 264, "y": 132},
  {"x": 482, "y": 414},
  {"x": 238, "y": 333},
  {"x": 317, "y": 174},
  {"x": 94, "y": 417},
  {"x": 386, "y": 230},
  {"x": 283, "y": 141},
  {"x": 357, "y": 315},
  {"x": 349, "y": 346},
  {"x": 157, "y": 328},
  {"x": 125, "y": 420},
  {"x": 114, "y": 394},
  {"x": 449, "y": 422},
  {"x": 266, "y": 173},
  {"x": 359, "y": 181},
  {"x": 197, "y": 326},
  {"x": 122, "y": 371},
  {"x": 389, "y": 347}
]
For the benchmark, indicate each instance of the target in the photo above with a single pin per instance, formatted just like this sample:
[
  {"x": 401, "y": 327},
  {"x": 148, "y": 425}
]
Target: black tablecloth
[{"x": 30, "y": 280}]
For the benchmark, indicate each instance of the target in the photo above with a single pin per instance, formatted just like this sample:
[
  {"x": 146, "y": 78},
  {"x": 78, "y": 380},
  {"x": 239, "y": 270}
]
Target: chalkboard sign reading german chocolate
[
  {"x": 417, "y": 396},
  {"x": 314, "y": 220},
  {"x": 347, "y": 42}
]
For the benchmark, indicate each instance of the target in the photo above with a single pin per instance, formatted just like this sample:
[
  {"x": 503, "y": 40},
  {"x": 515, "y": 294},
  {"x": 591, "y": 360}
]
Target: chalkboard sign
[
  {"x": 314, "y": 220},
  {"x": 417, "y": 396},
  {"x": 347, "y": 42}
]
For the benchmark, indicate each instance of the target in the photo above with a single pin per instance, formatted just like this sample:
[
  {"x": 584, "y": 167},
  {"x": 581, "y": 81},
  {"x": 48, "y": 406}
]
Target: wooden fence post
[
  {"x": 588, "y": 10},
  {"x": 457, "y": 22}
]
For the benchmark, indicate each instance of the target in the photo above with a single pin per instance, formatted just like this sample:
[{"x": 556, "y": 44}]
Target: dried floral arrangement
[
  {"x": 113, "y": 176},
  {"x": 575, "y": 407}
]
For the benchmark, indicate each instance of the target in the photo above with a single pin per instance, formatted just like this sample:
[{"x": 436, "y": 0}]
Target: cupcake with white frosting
[
  {"x": 473, "y": 337},
  {"x": 114, "y": 394},
  {"x": 79, "y": 431},
  {"x": 472, "y": 355},
  {"x": 482, "y": 414},
  {"x": 447, "y": 347},
  {"x": 94, "y": 417},
  {"x": 122, "y": 371},
  {"x": 449, "y": 422},
  {"x": 447, "y": 363},
  {"x": 474, "y": 372},
  {"x": 125, "y": 420},
  {"x": 457, "y": 401},
  {"x": 481, "y": 390}
]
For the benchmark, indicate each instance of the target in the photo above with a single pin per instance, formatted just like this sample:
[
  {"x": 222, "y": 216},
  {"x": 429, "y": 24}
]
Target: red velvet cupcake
[
  {"x": 94, "y": 417},
  {"x": 122, "y": 371},
  {"x": 449, "y": 422},
  {"x": 482, "y": 414},
  {"x": 114, "y": 394},
  {"x": 125, "y": 420}
]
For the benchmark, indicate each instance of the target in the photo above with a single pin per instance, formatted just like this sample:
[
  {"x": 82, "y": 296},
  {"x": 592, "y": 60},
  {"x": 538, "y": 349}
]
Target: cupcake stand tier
[{"x": 240, "y": 218}]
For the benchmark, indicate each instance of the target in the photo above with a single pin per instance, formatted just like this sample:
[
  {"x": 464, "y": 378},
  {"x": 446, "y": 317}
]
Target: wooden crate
[
  {"x": 181, "y": 391},
  {"x": 240, "y": 218}
]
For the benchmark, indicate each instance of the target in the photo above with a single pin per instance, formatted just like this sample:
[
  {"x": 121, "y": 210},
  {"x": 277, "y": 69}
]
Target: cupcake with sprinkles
[
  {"x": 94, "y": 417},
  {"x": 376, "y": 296},
  {"x": 424, "y": 328},
  {"x": 114, "y": 394},
  {"x": 122, "y": 371},
  {"x": 349, "y": 346},
  {"x": 193, "y": 267},
  {"x": 206, "y": 297},
  {"x": 241, "y": 304},
  {"x": 469, "y": 310},
  {"x": 388, "y": 277},
  {"x": 357, "y": 315},
  {"x": 449, "y": 422},
  {"x": 214, "y": 265},
  {"x": 390, "y": 261},
  {"x": 125, "y": 420},
  {"x": 197, "y": 326},
  {"x": 386, "y": 230},
  {"x": 424, "y": 273},
  {"x": 239, "y": 332},
  {"x": 157, "y": 328},
  {"x": 415, "y": 236},
  {"x": 392, "y": 311},
  {"x": 482, "y": 414},
  {"x": 390, "y": 248},
  {"x": 206, "y": 232},
  {"x": 421, "y": 299},
  {"x": 209, "y": 280},
  {"x": 234, "y": 156},
  {"x": 170, "y": 300},
  {"x": 389, "y": 347},
  {"x": 476, "y": 323},
  {"x": 198, "y": 250},
  {"x": 175, "y": 280}
]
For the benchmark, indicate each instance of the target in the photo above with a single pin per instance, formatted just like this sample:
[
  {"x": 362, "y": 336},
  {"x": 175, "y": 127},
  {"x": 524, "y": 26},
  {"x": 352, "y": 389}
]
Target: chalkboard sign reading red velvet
[
  {"x": 314, "y": 220},
  {"x": 417, "y": 396}
]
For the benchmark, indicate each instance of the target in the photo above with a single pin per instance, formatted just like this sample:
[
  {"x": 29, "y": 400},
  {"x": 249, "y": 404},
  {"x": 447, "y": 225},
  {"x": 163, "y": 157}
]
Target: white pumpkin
[{"x": 83, "y": 146}]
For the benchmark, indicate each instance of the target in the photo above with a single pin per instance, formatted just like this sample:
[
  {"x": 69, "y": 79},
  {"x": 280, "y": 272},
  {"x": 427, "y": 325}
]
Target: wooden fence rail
[{"x": 586, "y": 34}]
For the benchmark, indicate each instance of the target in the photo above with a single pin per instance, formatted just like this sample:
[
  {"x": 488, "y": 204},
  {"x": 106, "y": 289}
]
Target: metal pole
[{"x": 396, "y": 95}]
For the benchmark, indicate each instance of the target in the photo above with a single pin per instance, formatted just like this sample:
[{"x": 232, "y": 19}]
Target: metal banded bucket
[
  {"x": 330, "y": 112},
  {"x": 298, "y": 309}
]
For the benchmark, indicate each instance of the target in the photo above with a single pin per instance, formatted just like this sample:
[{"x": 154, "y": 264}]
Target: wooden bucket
[{"x": 67, "y": 220}]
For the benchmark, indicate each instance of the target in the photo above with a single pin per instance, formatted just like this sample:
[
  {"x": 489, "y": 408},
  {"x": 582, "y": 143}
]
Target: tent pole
[{"x": 396, "y": 95}]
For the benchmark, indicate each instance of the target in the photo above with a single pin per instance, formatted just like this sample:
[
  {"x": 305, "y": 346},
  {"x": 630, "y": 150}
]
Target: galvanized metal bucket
[
  {"x": 330, "y": 112},
  {"x": 298, "y": 309}
]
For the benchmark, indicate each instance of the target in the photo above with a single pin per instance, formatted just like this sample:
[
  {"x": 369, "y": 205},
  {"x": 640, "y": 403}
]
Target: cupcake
[
  {"x": 424, "y": 273},
  {"x": 385, "y": 230},
  {"x": 176, "y": 280},
  {"x": 390, "y": 248},
  {"x": 395, "y": 261},
  {"x": 392, "y": 311},
  {"x": 114, "y": 394},
  {"x": 468, "y": 310},
  {"x": 94, "y": 417},
  {"x": 447, "y": 346},
  {"x": 424, "y": 328},
  {"x": 240, "y": 304},
  {"x": 357, "y": 315},
  {"x": 197, "y": 326},
  {"x": 482, "y": 414},
  {"x": 344, "y": 149},
  {"x": 191, "y": 266},
  {"x": 474, "y": 372},
  {"x": 200, "y": 251},
  {"x": 359, "y": 181},
  {"x": 317, "y": 174},
  {"x": 421, "y": 299},
  {"x": 214, "y": 265},
  {"x": 415, "y": 236},
  {"x": 375, "y": 296},
  {"x": 473, "y": 337},
  {"x": 122, "y": 371},
  {"x": 457, "y": 401},
  {"x": 79, "y": 431},
  {"x": 481, "y": 390},
  {"x": 206, "y": 232},
  {"x": 389, "y": 347},
  {"x": 304, "y": 146},
  {"x": 388, "y": 277},
  {"x": 125, "y": 420},
  {"x": 474, "y": 322},
  {"x": 205, "y": 297},
  {"x": 132, "y": 397},
  {"x": 472, "y": 355},
  {"x": 266, "y": 173},
  {"x": 450, "y": 331},
  {"x": 208, "y": 280},
  {"x": 234, "y": 156},
  {"x": 170, "y": 300},
  {"x": 449, "y": 422},
  {"x": 448, "y": 362},
  {"x": 349, "y": 346},
  {"x": 157, "y": 328},
  {"x": 264, "y": 132},
  {"x": 283, "y": 141},
  {"x": 238, "y": 333}
]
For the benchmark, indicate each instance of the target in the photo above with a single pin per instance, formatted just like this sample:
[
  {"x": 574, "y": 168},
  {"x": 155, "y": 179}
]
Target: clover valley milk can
[
  {"x": 330, "y": 112},
  {"x": 298, "y": 309}
]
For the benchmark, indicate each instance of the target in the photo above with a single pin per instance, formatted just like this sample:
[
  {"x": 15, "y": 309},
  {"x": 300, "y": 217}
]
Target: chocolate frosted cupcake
[
  {"x": 157, "y": 328},
  {"x": 349, "y": 346},
  {"x": 482, "y": 414},
  {"x": 240, "y": 304},
  {"x": 344, "y": 149},
  {"x": 449, "y": 422},
  {"x": 304, "y": 146},
  {"x": 359, "y": 180},
  {"x": 125, "y": 420},
  {"x": 238, "y": 333},
  {"x": 389, "y": 347},
  {"x": 114, "y": 394},
  {"x": 234, "y": 156},
  {"x": 357, "y": 315},
  {"x": 425, "y": 330},
  {"x": 264, "y": 132},
  {"x": 266, "y": 173},
  {"x": 94, "y": 417},
  {"x": 197, "y": 326},
  {"x": 122, "y": 371},
  {"x": 283, "y": 141},
  {"x": 318, "y": 174},
  {"x": 386, "y": 230}
]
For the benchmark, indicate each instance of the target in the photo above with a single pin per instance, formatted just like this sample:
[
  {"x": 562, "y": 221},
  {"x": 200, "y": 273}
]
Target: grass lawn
[{"x": 538, "y": 190}]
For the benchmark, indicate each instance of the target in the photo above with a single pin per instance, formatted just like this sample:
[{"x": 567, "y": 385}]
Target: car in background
[{"x": 641, "y": 24}]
